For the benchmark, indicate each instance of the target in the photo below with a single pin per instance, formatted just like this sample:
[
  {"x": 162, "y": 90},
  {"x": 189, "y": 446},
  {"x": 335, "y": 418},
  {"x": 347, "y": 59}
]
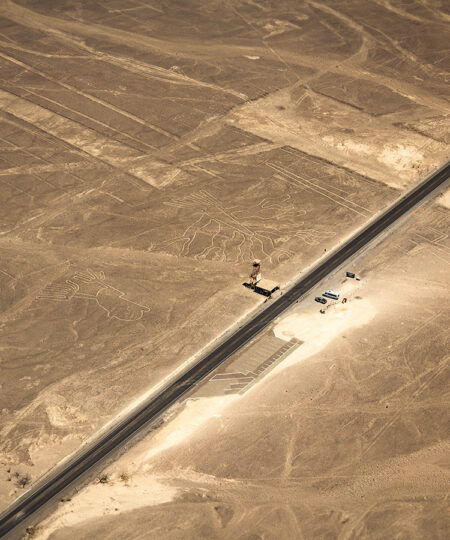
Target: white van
[{"x": 331, "y": 294}]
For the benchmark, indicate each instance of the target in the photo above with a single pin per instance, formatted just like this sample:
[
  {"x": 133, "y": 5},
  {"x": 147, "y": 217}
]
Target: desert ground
[
  {"x": 327, "y": 425},
  {"x": 150, "y": 150}
]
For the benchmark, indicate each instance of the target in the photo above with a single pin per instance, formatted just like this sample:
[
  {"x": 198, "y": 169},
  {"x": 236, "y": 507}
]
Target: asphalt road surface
[{"x": 65, "y": 475}]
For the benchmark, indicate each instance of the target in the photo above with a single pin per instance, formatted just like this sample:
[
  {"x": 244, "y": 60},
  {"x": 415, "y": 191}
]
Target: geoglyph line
[{"x": 91, "y": 285}]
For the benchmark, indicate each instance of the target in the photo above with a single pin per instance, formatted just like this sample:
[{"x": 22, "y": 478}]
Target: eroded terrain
[
  {"x": 342, "y": 435},
  {"x": 150, "y": 150}
]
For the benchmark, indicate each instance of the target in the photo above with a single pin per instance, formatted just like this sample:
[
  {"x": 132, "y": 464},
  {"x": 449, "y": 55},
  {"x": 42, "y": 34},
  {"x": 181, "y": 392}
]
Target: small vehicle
[
  {"x": 350, "y": 274},
  {"x": 320, "y": 299},
  {"x": 331, "y": 294}
]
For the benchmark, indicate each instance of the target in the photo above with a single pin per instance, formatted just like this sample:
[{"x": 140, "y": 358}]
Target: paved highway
[{"x": 65, "y": 475}]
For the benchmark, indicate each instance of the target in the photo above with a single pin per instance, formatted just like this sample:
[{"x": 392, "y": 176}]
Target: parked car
[
  {"x": 331, "y": 294},
  {"x": 320, "y": 299}
]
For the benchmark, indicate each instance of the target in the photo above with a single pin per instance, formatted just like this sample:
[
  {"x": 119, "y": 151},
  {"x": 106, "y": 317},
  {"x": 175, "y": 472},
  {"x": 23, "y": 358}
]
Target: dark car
[{"x": 320, "y": 299}]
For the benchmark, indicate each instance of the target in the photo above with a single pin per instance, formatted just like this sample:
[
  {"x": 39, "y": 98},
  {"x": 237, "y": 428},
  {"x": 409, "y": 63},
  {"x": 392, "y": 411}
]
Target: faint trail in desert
[
  {"x": 99, "y": 101},
  {"x": 166, "y": 75},
  {"x": 91, "y": 119},
  {"x": 398, "y": 10},
  {"x": 50, "y": 24},
  {"x": 56, "y": 188},
  {"x": 291, "y": 177},
  {"x": 434, "y": 372},
  {"x": 265, "y": 43},
  {"x": 50, "y": 167},
  {"x": 67, "y": 30},
  {"x": 12, "y": 45},
  {"x": 96, "y": 162},
  {"x": 85, "y": 140},
  {"x": 233, "y": 154},
  {"x": 295, "y": 176},
  {"x": 361, "y": 29},
  {"x": 290, "y": 453}
]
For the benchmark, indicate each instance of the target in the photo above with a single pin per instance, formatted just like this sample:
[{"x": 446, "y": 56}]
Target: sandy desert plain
[
  {"x": 148, "y": 151},
  {"x": 343, "y": 436}
]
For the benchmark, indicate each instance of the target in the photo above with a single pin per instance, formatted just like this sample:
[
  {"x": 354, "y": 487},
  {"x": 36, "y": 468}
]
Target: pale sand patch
[
  {"x": 48, "y": 449},
  {"x": 349, "y": 146},
  {"x": 323, "y": 127},
  {"x": 444, "y": 199},
  {"x": 317, "y": 330},
  {"x": 314, "y": 329},
  {"x": 194, "y": 414},
  {"x": 113, "y": 498},
  {"x": 139, "y": 488},
  {"x": 62, "y": 414},
  {"x": 400, "y": 156}
]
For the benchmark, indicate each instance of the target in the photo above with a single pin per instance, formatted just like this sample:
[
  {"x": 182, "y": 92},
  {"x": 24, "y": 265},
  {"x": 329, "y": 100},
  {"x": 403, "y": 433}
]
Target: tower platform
[{"x": 266, "y": 287}]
